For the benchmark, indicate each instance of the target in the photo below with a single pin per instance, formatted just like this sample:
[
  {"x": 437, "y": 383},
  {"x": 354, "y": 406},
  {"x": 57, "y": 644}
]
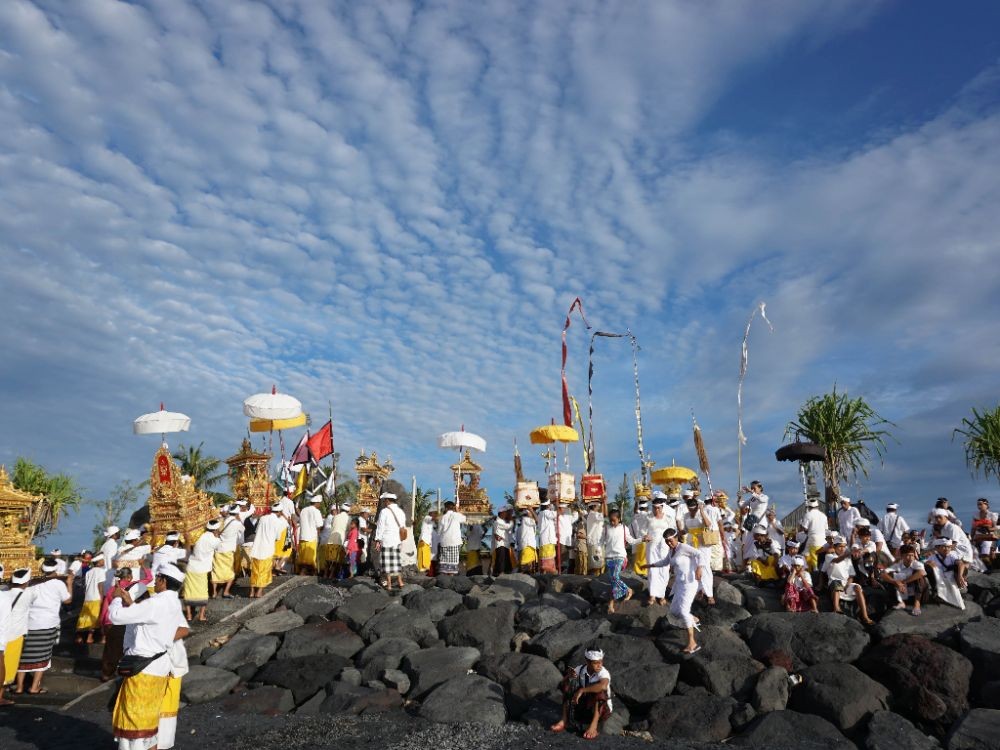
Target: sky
[{"x": 389, "y": 207}]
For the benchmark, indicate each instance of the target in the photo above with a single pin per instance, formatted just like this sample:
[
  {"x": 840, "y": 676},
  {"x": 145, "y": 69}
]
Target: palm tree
[
  {"x": 849, "y": 428},
  {"x": 204, "y": 469},
  {"x": 982, "y": 442},
  {"x": 60, "y": 493}
]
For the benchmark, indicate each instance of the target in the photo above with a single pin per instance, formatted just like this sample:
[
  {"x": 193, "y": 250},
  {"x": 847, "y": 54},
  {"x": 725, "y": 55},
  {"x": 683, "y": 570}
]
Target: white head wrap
[
  {"x": 46, "y": 568},
  {"x": 892, "y": 506},
  {"x": 345, "y": 506},
  {"x": 212, "y": 525},
  {"x": 940, "y": 512},
  {"x": 943, "y": 542},
  {"x": 799, "y": 560},
  {"x": 173, "y": 536},
  {"x": 111, "y": 531},
  {"x": 759, "y": 529},
  {"x": 845, "y": 499},
  {"x": 593, "y": 655},
  {"x": 276, "y": 507},
  {"x": 387, "y": 496},
  {"x": 132, "y": 534},
  {"x": 170, "y": 571},
  {"x": 21, "y": 576},
  {"x": 862, "y": 522},
  {"x": 316, "y": 499}
]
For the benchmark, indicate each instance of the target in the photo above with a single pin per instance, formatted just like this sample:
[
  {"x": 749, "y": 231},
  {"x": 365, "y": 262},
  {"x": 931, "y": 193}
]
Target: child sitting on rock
[{"x": 587, "y": 691}]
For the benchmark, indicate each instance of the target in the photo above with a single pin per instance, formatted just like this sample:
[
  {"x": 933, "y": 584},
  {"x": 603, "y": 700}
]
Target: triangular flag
[
  {"x": 321, "y": 443},
  {"x": 301, "y": 453}
]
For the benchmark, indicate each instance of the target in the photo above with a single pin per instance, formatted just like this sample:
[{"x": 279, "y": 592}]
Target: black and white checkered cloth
[
  {"x": 448, "y": 558},
  {"x": 392, "y": 560}
]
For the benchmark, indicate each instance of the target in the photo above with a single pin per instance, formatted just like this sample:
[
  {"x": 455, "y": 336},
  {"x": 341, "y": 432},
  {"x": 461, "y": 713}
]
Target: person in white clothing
[
  {"x": 391, "y": 520},
  {"x": 310, "y": 522},
  {"x": 450, "y": 539},
  {"x": 286, "y": 543},
  {"x": 61, "y": 565},
  {"x": 546, "y": 518},
  {"x": 88, "y": 622},
  {"x": 425, "y": 544},
  {"x": 195, "y": 591},
  {"x": 224, "y": 561},
  {"x": 270, "y": 528},
  {"x": 502, "y": 542},
  {"x": 151, "y": 627},
  {"x": 909, "y": 579},
  {"x": 815, "y": 525},
  {"x": 587, "y": 693},
  {"x": 615, "y": 545},
  {"x": 595, "y": 522},
  {"x": 847, "y": 517},
  {"x": 839, "y": 570},
  {"x": 110, "y": 547},
  {"x": 983, "y": 532},
  {"x": 46, "y": 597},
  {"x": 685, "y": 562},
  {"x": 949, "y": 572},
  {"x": 527, "y": 542},
  {"x": 753, "y": 506},
  {"x": 169, "y": 553},
  {"x": 640, "y": 530},
  {"x": 893, "y": 526},
  {"x": 944, "y": 527},
  {"x": 565, "y": 521}
]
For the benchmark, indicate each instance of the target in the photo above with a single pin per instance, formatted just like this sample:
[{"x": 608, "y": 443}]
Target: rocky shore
[{"x": 476, "y": 663}]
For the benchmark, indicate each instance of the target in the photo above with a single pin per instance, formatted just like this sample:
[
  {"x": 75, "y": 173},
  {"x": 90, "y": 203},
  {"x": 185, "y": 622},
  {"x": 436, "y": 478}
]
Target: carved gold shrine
[
  {"x": 473, "y": 500},
  {"x": 371, "y": 475},
  {"x": 174, "y": 502},
  {"x": 16, "y": 526},
  {"x": 249, "y": 478}
]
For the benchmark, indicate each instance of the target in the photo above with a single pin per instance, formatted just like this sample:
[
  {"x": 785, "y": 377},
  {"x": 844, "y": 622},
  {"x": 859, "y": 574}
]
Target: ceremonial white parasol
[
  {"x": 460, "y": 440},
  {"x": 272, "y": 405},
  {"x": 161, "y": 422}
]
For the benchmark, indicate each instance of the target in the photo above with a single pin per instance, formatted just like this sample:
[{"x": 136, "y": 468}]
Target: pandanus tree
[
  {"x": 851, "y": 431},
  {"x": 981, "y": 439}
]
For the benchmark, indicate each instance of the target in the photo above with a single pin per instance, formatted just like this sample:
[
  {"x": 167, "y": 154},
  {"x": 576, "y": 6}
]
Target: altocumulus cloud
[{"x": 391, "y": 206}]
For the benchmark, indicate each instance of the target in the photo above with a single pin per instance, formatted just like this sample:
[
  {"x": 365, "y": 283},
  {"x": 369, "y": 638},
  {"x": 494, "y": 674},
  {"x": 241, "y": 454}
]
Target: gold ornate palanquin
[
  {"x": 371, "y": 475},
  {"x": 174, "y": 502},
  {"x": 17, "y": 526},
  {"x": 473, "y": 500},
  {"x": 249, "y": 478}
]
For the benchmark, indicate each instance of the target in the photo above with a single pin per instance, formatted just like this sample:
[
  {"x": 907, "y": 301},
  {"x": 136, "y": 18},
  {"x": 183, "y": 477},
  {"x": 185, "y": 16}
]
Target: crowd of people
[{"x": 138, "y": 600}]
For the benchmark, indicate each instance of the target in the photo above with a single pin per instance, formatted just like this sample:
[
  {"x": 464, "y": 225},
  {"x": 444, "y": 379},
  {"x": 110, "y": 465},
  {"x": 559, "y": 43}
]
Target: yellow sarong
[
  {"x": 472, "y": 559},
  {"x": 334, "y": 554},
  {"x": 695, "y": 538},
  {"x": 812, "y": 558},
  {"x": 167, "y": 730},
  {"x": 307, "y": 554},
  {"x": 261, "y": 572},
  {"x": 423, "y": 556},
  {"x": 529, "y": 556},
  {"x": 136, "y": 714},
  {"x": 223, "y": 569},
  {"x": 195, "y": 587},
  {"x": 639, "y": 564},
  {"x": 11, "y": 658},
  {"x": 90, "y": 615},
  {"x": 279, "y": 546},
  {"x": 765, "y": 570}
]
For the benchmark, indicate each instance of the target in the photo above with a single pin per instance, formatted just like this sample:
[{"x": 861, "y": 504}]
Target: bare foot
[
  {"x": 590, "y": 734},
  {"x": 558, "y": 726}
]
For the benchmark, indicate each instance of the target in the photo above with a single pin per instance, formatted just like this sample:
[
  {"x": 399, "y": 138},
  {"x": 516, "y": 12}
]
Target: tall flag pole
[
  {"x": 567, "y": 408},
  {"x": 742, "y": 439}
]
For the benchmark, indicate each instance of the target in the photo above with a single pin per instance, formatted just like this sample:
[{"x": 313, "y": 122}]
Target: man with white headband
[
  {"x": 639, "y": 527},
  {"x": 686, "y": 565},
  {"x": 847, "y": 517},
  {"x": 944, "y": 527},
  {"x": 89, "y": 620},
  {"x": 110, "y": 547},
  {"x": 61, "y": 565},
  {"x": 17, "y": 603},
  {"x": 270, "y": 528},
  {"x": 133, "y": 553},
  {"x": 893, "y": 526},
  {"x": 46, "y": 598},
  {"x": 587, "y": 691},
  {"x": 799, "y": 595},
  {"x": 503, "y": 541},
  {"x": 288, "y": 541},
  {"x": 195, "y": 591},
  {"x": 909, "y": 578},
  {"x": 658, "y": 522},
  {"x": 335, "y": 547},
  {"x": 170, "y": 552},
  {"x": 814, "y": 525},
  {"x": 547, "y": 539},
  {"x": 949, "y": 572},
  {"x": 390, "y": 522},
  {"x": 839, "y": 570},
  {"x": 224, "y": 559},
  {"x": 427, "y": 542},
  {"x": 762, "y": 558},
  {"x": 310, "y": 522},
  {"x": 450, "y": 536},
  {"x": 151, "y": 628}
]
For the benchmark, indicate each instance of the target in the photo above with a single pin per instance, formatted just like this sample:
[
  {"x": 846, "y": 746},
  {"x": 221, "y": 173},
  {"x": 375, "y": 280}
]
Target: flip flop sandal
[{"x": 695, "y": 650}]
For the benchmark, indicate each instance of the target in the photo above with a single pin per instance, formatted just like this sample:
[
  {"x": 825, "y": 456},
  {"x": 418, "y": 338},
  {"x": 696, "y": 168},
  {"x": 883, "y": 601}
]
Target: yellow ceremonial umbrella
[
  {"x": 673, "y": 475},
  {"x": 554, "y": 433},
  {"x": 267, "y": 425}
]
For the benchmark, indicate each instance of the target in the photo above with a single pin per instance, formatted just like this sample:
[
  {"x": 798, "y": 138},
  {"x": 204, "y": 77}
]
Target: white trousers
[{"x": 680, "y": 607}]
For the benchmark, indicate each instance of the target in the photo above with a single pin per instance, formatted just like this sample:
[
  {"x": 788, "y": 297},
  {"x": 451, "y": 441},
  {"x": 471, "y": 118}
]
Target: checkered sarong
[
  {"x": 392, "y": 561},
  {"x": 448, "y": 559}
]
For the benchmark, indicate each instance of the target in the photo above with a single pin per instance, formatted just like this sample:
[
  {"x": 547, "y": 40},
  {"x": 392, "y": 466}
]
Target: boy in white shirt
[
  {"x": 587, "y": 691},
  {"x": 909, "y": 579},
  {"x": 839, "y": 570}
]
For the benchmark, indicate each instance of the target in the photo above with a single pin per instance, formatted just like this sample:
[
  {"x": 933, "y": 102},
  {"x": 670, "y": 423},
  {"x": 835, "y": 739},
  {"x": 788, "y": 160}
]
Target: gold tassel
[
  {"x": 699, "y": 446},
  {"x": 518, "y": 474}
]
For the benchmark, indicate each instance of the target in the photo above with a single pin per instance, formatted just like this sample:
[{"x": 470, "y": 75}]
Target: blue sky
[{"x": 390, "y": 206}]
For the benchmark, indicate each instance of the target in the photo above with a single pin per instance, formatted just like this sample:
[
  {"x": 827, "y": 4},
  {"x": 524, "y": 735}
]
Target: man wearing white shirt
[
  {"x": 595, "y": 537},
  {"x": 151, "y": 627},
  {"x": 527, "y": 542},
  {"x": 909, "y": 578},
  {"x": 270, "y": 528},
  {"x": 110, "y": 546},
  {"x": 754, "y": 506},
  {"x": 61, "y": 564},
  {"x": 224, "y": 559},
  {"x": 89, "y": 620},
  {"x": 893, "y": 526},
  {"x": 944, "y": 527},
  {"x": 815, "y": 526},
  {"x": 284, "y": 545},
  {"x": 335, "y": 550},
  {"x": 195, "y": 592},
  {"x": 615, "y": 543},
  {"x": 640, "y": 529},
  {"x": 450, "y": 539},
  {"x": 17, "y": 627},
  {"x": 839, "y": 570},
  {"x": 391, "y": 519},
  {"x": 547, "y": 540},
  {"x": 310, "y": 522},
  {"x": 847, "y": 517},
  {"x": 564, "y": 531},
  {"x": 46, "y": 598},
  {"x": 502, "y": 542},
  {"x": 425, "y": 544}
]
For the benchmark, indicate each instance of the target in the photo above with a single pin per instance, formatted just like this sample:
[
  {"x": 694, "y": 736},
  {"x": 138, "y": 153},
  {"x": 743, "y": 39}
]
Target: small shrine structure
[
  {"x": 175, "y": 504},
  {"x": 473, "y": 499},
  {"x": 371, "y": 476},
  {"x": 249, "y": 477},
  {"x": 17, "y": 525}
]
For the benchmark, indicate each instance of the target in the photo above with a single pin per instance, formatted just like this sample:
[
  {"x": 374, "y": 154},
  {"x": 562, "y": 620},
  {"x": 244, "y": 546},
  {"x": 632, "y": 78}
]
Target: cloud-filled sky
[{"x": 390, "y": 206}]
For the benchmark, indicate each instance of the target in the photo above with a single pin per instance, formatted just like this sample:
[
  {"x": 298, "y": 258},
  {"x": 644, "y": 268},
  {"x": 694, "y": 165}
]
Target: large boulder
[
  {"x": 807, "y": 637},
  {"x": 770, "y": 693},
  {"x": 383, "y": 654},
  {"x": 458, "y": 584},
  {"x": 343, "y": 698},
  {"x": 698, "y": 717},
  {"x": 980, "y": 642},
  {"x": 268, "y": 700},
  {"x": 314, "y": 599},
  {"x": 536, "y": 617},
  {"x": 525, "y": 584},
  {"x": 977, "y": 730},
  {"x": 244, "y": 648},
  {"x": 399, "y": 622},
  {"x": 490, "y": 596},
  {"x": 571, "y": 584},
  {"x": 936, "y": 621},
  {"x": 522, "y": 676},
  {"x": 320, "y": 638},
  {"x": 983, "y": 587},
  {"x": 436, "y": 603},
  {"x": 619, "y": 650},
  {"x": 840, "y": 693},
  {"x": 790, "y": 730},
  {"x": 303, "y": 675},
  {"x": 468, "y": 698},
  {"x": 489, "y": 630},
  {"x": 724, "y": 665},
  {"x": 889, "y": 731},
  {"x": 639, "y": 686},
  {"x": 360, "y": 608},
  {"x": 727, "y": 592},
  {"x": 758, "y": 600},
  {"x": 574, "y": 606},
  {"x": 203, "y": 684},
  {"x": 723, "y": 614},
  {"x": 559, "y": 641},
  {"x": 431, "y": 667},
  {"x": 929, "y": 682},
  {"x": 280, "y": 621}
]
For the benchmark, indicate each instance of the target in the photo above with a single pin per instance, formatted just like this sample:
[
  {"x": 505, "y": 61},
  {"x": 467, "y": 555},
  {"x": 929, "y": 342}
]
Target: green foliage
[
  {"x": 623, "y": 499},
  {"x": 60, "y": 491},
  {"x": 206, "y": 470},
  {"x": 850, "y": 430},
  {"x": 111, "y": 509},
  {"x": 426, "y": 500},
  {"x": 982, "y": 442},
  {"x": 346, "y": 492}
]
